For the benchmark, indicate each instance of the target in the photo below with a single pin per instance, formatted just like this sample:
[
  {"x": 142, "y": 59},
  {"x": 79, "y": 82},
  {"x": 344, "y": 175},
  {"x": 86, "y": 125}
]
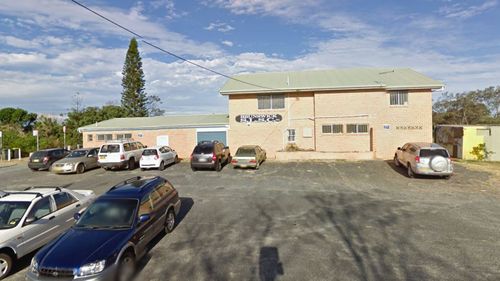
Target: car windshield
[
  {"x": 110, "y": 148},
  {"x": 433, "y": 152},
  {"x": 11, "y": 213},
  {"x": 77, "y": 154},
  {"x": 148, "y": 152},
  {"x": 245, "y": 151},
  {"x": 203, "y": 149},
  {"x": 109, "y": 213}
]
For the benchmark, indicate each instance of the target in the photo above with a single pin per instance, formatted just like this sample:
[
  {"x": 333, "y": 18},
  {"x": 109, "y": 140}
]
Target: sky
[{"x": 50, "y": 50}]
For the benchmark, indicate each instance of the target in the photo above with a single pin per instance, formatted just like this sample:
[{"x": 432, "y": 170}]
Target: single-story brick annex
[{"x": 361, "y": 113}]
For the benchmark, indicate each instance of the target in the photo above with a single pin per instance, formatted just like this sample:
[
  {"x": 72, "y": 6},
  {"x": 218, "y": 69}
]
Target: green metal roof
[
  {"x": 324, "y": 80},
  {"x": 159, "y": 122}
]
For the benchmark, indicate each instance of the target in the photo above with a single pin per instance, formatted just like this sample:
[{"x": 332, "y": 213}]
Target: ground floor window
[
  {"x": 104, "y": 137},
  {"x": 357, "y": 128},
  {"x": 123, "y": 136},
  {"x": 332, "y": 129},
  {"x": 90, "y": 137},
  {"x": 291, "y": 135}
]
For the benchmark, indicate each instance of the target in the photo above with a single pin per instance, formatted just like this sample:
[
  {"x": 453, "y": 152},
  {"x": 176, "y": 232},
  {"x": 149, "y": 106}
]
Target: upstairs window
[
  {"x": 399, "y": 98},
  {"x": 271, "y": 101}
]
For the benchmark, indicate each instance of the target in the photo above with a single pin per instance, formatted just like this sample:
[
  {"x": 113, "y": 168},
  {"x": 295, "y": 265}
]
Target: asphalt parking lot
[{"x": 314, "y": 221}]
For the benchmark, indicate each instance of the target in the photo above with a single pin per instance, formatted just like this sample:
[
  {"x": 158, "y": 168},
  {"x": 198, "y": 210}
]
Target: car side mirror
[
  {"x": 29, "y": 220},
  {"x": 144, "y": 218},
  {"x": 77, "y": 216},
  {"x": 399, "y": 148}
]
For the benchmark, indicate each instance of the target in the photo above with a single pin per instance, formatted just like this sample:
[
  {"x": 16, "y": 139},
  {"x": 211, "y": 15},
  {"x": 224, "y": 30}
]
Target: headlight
[
  {"x": 68, "y": 165},
  {"x": 34, "y": 266},
  {"x": 91, "y": 268}
]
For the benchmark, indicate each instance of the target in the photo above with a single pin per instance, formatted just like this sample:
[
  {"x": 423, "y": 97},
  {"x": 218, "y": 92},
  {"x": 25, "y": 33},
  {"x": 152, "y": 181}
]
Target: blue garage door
[{"x": 210, "y": 136}]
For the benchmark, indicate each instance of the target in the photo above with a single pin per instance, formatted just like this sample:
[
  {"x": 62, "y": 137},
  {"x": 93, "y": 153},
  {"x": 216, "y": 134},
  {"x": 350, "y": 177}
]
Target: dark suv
[
  {"x": 112, "y": 234},
  {"x": 43, "y": 159},
  {"x": 210, "y": 155}
]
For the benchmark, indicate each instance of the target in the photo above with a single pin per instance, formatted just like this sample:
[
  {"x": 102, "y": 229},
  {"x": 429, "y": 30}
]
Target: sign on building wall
[
  {"x": 259, "y": 118},
  {"x": 409, "y": 127}
]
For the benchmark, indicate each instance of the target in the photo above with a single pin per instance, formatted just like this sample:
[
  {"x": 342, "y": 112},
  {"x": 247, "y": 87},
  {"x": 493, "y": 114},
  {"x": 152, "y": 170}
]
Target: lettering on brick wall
[
  {"x": 409, "y": 127},
  {"x": 258, "y": 118}
]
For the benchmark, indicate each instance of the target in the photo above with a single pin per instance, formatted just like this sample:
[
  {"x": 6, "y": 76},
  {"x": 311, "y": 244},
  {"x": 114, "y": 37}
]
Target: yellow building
[
  {"x": 330, "y": 114},
  {"x": 460, "y": 140}
]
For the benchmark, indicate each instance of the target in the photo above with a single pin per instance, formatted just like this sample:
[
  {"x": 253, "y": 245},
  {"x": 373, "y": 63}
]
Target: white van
[{"x": 121, "y": 154}]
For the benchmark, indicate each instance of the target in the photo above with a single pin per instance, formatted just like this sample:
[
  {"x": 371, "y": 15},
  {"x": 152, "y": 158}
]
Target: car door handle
[
  {"x": 77, "y": 205},
  {"x": 51, "y": 218}
]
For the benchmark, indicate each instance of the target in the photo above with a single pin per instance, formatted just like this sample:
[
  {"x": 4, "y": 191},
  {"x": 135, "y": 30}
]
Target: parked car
[
  {"x": 43, "y": 159},
  {"x": 112, "y": 234},
  {"x": 424, "y": 159},
  {"x": 249, "y": 156},
  {"x": 158, "y": 157},
  {"x": 210, "y": 155},
  {"x": 31, "y": 218},
  {"x": 77, "y": 161},
  {"x": 120, "y": 154}
]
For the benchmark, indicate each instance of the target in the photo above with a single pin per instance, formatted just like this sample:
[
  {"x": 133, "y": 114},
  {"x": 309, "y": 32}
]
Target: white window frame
[
  {"x": 90, "y": 137},
  {"x": 357, "y": 129},
  {"x": 332, "y": 131},
  {"x": 291, "y": 135},
  {"x": 398, "y": 98},
  {"x": 271, "y": 101}
]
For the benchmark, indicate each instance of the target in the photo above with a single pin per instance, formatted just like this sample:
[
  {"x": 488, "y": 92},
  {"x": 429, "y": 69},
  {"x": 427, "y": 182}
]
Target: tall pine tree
[{"x": 134, "y": 99}]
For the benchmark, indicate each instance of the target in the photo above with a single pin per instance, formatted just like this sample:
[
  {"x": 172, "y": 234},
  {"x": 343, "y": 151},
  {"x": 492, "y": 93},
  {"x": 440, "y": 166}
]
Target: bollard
[{"x": 8, "y": 154}]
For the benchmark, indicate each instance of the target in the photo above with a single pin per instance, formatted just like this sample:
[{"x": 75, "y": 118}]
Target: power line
[{"x": 165, "y": 51}]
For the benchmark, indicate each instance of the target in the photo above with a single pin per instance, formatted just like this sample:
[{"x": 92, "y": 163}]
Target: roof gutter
[
  {"x": 369, "y": 87},
  {"x": 121, "y": 129}
]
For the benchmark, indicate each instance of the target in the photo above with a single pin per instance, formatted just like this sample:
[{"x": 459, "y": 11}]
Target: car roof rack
[
  {"x": 127, "y": 181},
  {"x": 37, "y": 194},
  {"x": 3, "y": 194},
  {"x": 121, "y": 140},
  {"x": 56, "y": 188}
]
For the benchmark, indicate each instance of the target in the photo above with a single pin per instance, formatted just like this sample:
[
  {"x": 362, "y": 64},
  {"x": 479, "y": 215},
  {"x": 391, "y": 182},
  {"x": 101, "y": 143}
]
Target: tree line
[
  {"x": 480, "y": 107},
  {"x": 17, "y": 124}
]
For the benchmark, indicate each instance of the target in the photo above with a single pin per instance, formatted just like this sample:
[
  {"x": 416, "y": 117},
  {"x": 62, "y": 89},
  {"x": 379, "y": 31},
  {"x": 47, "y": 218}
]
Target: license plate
[
  {"x": 102, "y": 156},
  {"x": 36, "y": 160},
  {"x": 202, "y": 160}
]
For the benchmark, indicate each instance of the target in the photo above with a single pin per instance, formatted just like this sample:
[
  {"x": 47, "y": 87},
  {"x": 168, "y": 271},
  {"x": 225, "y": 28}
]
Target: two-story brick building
[
  {"x": 331, "y": 114},
  {"x": 350, "y": 113}
]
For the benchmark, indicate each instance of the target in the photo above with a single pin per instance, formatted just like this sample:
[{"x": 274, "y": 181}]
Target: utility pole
[
  {"x": 35, "y": 134},
  {"x": 64, "y": 136}
]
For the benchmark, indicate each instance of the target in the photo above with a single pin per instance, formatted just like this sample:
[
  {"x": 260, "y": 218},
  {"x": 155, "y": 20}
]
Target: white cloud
[
  {"x": 168, "y": 7},
  {"x": 71, "y": 16},
  {"x": 283, "y": 8},
  {"x": 219, "y": 26},
  {"x": 227, "y": 43},
  {"x": 459, "y": 10}
]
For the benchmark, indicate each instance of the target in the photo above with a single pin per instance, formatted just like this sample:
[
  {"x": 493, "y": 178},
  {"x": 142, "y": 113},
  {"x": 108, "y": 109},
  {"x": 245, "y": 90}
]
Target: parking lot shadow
[
  {"x": 186, "y": 205},
  {"x": 270, "y": 265},
  {"x": 400, "y": 170}
]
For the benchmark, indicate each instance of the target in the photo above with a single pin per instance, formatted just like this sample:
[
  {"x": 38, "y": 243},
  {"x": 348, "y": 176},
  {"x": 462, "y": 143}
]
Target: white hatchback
[{"x": 158, "y": 157}]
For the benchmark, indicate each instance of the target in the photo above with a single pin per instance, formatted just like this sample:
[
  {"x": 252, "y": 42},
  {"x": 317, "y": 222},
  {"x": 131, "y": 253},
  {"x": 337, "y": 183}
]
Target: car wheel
[
  {"x": 162, "y": 166},
  {"x": 5, "y": 265},
  {"x": 126, "y": 268},
  {"x": 80, "y": 169},
  {"x": 170, "y": 221},
  {"x": 131, "y": 164},
  {"x": 34, "y": 170},
  {"x": 193, "y": 169},
  {"x": 410, "y": 171},
  {"x": 218, "y": 166},
  {"x": 396, "y": 161}
]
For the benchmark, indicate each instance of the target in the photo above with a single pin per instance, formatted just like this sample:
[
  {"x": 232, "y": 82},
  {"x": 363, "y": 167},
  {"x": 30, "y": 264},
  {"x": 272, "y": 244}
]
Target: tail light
[
  {"x": 142, "y": 158},
  {"x": 214, "y": 157},
  {"x": 45, "y": 159},
  {"x": 253, "y": 161},
  {"x": 234, "y": 161},
  {"x": 122, "y": 156},
  {"x": 156, "y": 157},
  {"x": 417, "y": 159}
]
